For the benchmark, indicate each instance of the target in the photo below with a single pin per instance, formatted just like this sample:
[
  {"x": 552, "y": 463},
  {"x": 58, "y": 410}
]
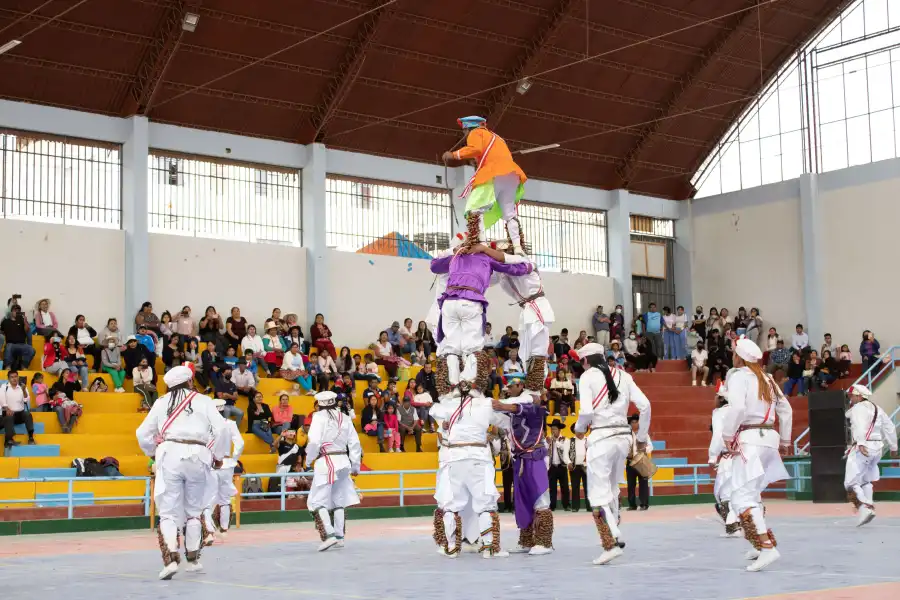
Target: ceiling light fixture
[
  {"x": 524, "y": 86},
  {"x": 189, "y": 22},
  {"x": 9, "y": 46}
]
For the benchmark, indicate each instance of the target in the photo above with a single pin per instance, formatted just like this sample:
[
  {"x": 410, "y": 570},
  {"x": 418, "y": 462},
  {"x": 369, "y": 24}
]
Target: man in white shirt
[
  {"x": 800, "y": 340},
  {"x": 559, "y": 475},
  {"x": 13, "y": 401},
  {"x": 576, "y": 457},
  {"x": 871, "y": 429},
  {"x": 489, "y": 341},
  {"x": 513, "y": 364},
  {"x": 217, "y": 515},
  {"x": 698, "y": 364},
  {"x": 243, "y": 380},
  {"x": 634, "y": 478},
  {"x": 830, "y": 347}
]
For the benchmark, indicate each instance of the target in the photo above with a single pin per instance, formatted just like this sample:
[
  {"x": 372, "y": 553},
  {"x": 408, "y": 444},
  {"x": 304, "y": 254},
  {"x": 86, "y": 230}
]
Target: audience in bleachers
[
  {"x": 45, "y": 322},
  {"x": 16, "y": 334}
]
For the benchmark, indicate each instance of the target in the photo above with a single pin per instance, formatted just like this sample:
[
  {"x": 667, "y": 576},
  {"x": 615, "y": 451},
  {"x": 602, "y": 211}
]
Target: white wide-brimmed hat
[
  {"x": 590, "y": 350},
  {"x": 748, "y": 350},
  {"x": 178, "y": 375}
]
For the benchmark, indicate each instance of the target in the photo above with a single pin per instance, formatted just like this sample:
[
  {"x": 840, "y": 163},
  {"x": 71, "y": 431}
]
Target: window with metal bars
[
  {"x": 60, "y": 180},
  {"x": 377, "y": 217},
  {"x": 562, "y": 238},
  {"x": 642, "y": 225},
  {"x": 212, "y": 198}
]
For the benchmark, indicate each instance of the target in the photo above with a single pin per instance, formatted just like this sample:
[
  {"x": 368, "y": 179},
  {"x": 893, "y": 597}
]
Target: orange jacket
[{"x": 499, "y": 160}]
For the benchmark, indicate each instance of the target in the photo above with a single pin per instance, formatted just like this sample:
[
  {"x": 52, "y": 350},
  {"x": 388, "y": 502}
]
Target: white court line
[{"x": 796, "y": 573}]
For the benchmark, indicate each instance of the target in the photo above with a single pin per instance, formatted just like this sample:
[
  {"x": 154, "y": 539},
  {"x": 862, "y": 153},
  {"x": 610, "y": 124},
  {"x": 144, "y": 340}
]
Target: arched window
[{"x": 835, "y": 104}]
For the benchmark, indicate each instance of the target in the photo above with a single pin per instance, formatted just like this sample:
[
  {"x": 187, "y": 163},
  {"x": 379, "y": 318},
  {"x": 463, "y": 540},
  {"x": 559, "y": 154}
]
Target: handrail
[{"x": 870, "y": 380}]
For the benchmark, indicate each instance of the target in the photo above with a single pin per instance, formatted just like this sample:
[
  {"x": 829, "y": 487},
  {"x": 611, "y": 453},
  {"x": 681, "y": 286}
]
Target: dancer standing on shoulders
[
  {"x": 218, "y": 513},
  {"x": 334, "y": 447},
  {"x": 871, "y": 429},
  {"x": 748, "y": 431},
  {"x": 721, "y": 460},
  {"x": 185, "y": 433},
  {"x": 605, "y": 395},
  {"x": 531, "y": 482},
  {"x": 498, "y": 183}
]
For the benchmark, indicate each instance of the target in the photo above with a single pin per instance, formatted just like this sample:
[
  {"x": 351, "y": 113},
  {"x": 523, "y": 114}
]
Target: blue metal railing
[
  {"x": 701, "y": 475},
  {"x": 883, "y": 367}
]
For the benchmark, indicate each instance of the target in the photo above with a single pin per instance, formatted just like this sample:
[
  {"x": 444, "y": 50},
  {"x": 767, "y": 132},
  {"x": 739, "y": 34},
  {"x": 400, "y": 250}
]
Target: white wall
[
  {"x": 80, "y": 269},
  {"x": 747, "y": 252},
  {"x": 201, "y": 272},
  {"x": 860, "y": 210},
  {"x": 367, "y": 292}
]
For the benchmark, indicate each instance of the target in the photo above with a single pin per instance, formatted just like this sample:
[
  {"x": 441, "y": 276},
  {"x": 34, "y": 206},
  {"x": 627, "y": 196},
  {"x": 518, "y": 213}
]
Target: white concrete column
[
  {"x": 135, "y": 219},
  {"x": 684, "y": 258},
  {"x": 618, "y": 227},
  {"x": 811, "y": 238},
  {"x": 314, "y": 231},
  {"x": 458, "y": 178}
]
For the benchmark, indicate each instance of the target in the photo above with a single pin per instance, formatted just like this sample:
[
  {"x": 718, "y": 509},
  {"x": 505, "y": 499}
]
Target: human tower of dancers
[{"x": 196, "y": 449}]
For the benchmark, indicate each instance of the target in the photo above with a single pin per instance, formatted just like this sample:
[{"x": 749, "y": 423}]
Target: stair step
[
  {"x": 27, "y": 451},
  {"x": 669, "y": 462},
  {"x": 46, "y": 473},
  {"x": 20, "y": 428},
  {"x": 78, "y": 499}
]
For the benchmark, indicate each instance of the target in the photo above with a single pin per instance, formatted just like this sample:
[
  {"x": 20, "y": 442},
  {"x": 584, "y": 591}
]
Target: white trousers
[
  {"x": 605, "y": 469},
  {"x": 861, "y": 472},
  {"x": 470, "y": 486},
  {"x": 182, "y": 500},
  {"x": 505, "y": 188},
  {"x": 462, "y": 322},
  {"x": 331, "y": 496},
  {"x": 224, "y": 492},
  {"x": 534, "y": 338}
]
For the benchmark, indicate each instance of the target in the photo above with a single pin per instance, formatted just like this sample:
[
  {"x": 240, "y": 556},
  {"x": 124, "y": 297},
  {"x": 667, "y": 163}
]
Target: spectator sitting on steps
[
  {"x": 15, "y": 329},
  {"x": 14, "y": 404}
]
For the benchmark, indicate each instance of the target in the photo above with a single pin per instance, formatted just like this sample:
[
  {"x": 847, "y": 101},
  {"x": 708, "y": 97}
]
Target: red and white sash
[
  {"x": 468, "y": 189},
  {"x": 161, "y": 436}
]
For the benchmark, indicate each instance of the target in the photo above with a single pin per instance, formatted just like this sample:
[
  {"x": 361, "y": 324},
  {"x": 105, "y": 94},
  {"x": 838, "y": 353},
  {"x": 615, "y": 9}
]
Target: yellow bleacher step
[{"x": 95, "y": 402}]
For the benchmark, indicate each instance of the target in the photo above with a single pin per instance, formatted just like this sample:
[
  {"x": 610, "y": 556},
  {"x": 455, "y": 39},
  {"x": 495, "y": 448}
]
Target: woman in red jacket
[
  {"x": 321, "y": 336},
  {"x": 53, "y": 356}
]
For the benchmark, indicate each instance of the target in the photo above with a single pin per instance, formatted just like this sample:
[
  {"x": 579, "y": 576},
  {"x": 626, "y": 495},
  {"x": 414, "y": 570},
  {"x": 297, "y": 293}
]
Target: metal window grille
[
  {"x": 562, "y": 238},
  {"x": 60, "y": 180},
  {"x": 652, "y": 226},
  {"x": 377, "y": 217},
  {"x": 212, "y": 198}
]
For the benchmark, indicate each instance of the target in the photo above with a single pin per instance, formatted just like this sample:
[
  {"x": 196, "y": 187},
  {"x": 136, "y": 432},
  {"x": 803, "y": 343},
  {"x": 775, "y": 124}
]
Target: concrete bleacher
[{"x": 680, "y": 430}]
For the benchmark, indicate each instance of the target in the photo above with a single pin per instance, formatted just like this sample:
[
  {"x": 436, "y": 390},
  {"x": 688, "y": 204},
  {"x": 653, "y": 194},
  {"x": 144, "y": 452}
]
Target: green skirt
[{"x": 483, "y": 200}]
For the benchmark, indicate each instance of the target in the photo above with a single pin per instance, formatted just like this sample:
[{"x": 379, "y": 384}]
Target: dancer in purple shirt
[
  {"x": 463, "y": 306},
  {"x": 531, "y": 484}
]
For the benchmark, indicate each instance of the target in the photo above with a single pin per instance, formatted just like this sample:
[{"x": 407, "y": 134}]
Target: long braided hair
[
  {"x": 598, "y": 361},
  {"x": 177, "y": 394}
]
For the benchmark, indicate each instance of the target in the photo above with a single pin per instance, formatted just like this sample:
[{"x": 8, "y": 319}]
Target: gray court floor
[{"x": 664, "y": 560}]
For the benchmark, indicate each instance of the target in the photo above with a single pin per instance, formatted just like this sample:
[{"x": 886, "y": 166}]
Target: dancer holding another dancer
[
  {"x": 185, "y": 433},
  {"x": 605, "y": 394},
  {"x": 871, "y": 429},
  {"x": 748, "y": 431},
  {"x": 335, "y": 449},
  {"x": 531, "y": 483}
]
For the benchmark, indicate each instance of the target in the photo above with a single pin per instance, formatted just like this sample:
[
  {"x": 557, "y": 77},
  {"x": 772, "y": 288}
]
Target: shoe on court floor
[
  {"x": 328, "y": 543},
  {"x": 608, "y": 556},
  {"x": 168, "y": 571},
  {"x": 470, "y": 548},
  {"x": 766, "y": 558},
  {"x": 194, "y": 567},
  {"x": 752, "y": 554},
  {"x": 488, "y": 554},
  {"x": 540, "y": 551},
  {"x": 520, "y": 550},
  {"x": 866, "y": 515}
]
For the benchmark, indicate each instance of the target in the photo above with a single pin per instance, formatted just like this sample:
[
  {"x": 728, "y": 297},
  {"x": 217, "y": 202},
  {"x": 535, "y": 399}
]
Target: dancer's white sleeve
[
  {"x": 637, "y": 397},
  {"x": 236, "y": 439},
  {"x": 717, "y": 445}
]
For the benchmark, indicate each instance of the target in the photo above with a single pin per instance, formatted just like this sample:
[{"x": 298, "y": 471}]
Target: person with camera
[{"x": 14, "y": 328}]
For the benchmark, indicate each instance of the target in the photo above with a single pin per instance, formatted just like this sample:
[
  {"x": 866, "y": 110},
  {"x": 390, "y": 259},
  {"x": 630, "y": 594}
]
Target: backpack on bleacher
[
  {"x": 110, "y": 467},
  {"x": 88, "y": 467},
  {"x": 252, "y": 485}
]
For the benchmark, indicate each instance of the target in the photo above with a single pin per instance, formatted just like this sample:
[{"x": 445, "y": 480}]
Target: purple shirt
[
  {"x": 527, "y": 427},
  {"x": 473, "y": 271}
]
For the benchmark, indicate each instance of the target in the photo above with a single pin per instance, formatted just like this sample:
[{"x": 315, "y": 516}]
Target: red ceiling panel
[{"x": 420, "y": 58}]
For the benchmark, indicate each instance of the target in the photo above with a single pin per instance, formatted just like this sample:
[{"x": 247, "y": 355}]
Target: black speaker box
[{"x": 827, "y": 442}]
